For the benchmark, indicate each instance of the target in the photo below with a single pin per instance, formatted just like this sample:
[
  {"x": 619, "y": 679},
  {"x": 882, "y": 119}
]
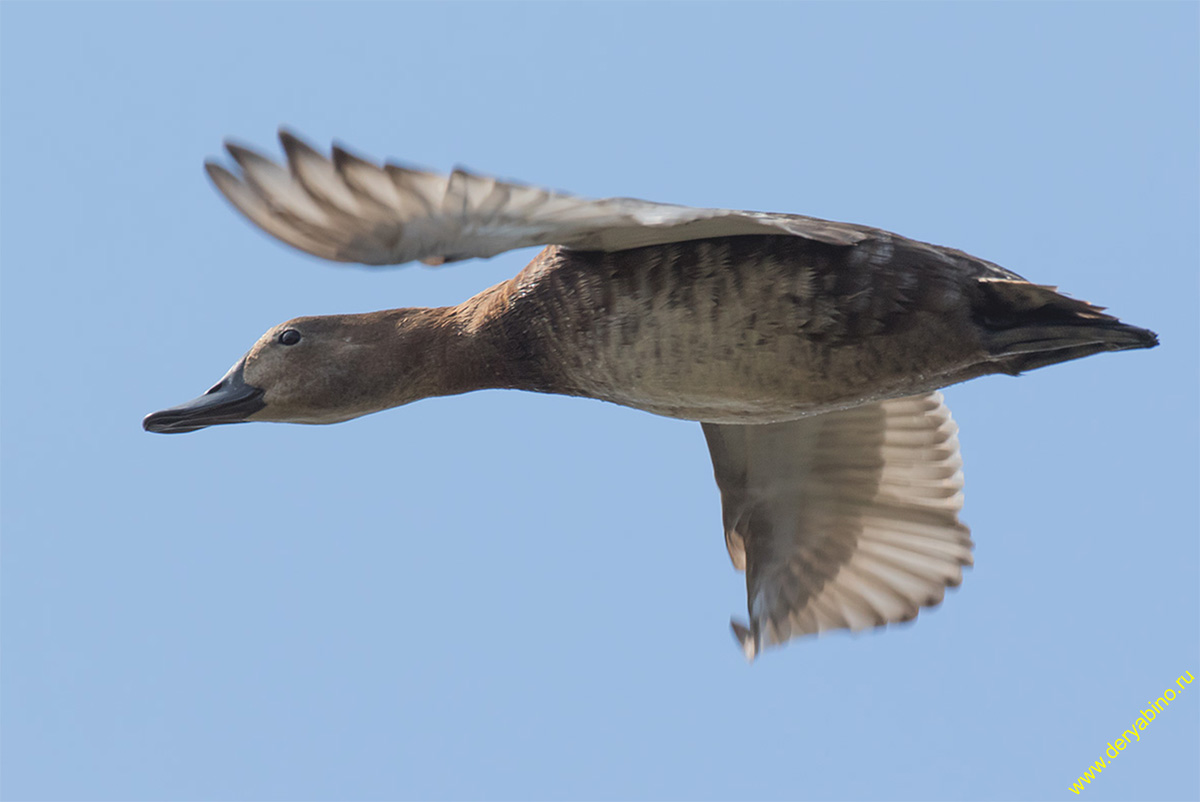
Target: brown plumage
[{"x": 810, "y": 350}]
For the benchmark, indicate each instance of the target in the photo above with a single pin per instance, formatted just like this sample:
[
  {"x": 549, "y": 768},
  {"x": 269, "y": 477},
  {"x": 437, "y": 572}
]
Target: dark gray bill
[{"x": 230, "y": 400}]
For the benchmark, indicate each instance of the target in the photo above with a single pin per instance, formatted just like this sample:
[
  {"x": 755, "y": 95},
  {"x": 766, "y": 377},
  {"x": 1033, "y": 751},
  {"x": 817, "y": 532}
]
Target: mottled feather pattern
[{"x": 767, "y": 312}]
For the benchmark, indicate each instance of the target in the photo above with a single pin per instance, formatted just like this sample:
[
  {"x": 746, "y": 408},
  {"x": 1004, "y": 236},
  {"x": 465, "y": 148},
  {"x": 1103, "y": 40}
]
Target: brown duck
[{"x": 810, "y": 351}]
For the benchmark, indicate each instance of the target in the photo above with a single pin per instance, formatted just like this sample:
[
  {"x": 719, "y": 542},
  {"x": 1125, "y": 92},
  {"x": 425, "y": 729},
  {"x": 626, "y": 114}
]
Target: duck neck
[
  {"x": 490, "y": 347},
  {"x": 451, "y": 350}
]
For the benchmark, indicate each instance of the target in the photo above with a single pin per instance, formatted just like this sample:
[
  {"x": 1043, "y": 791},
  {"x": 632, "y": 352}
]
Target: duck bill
[{"x": 230, "y": 400}]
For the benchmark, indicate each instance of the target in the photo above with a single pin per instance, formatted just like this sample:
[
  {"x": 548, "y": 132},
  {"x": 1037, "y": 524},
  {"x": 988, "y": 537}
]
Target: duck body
[
  {"x": 743, "y": 330},
  {"x": 731, "y": 330},
  {"x": 810, "y": 350}
]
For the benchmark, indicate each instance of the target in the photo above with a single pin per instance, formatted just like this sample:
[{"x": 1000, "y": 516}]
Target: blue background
[{"x": 504, "y": 595}]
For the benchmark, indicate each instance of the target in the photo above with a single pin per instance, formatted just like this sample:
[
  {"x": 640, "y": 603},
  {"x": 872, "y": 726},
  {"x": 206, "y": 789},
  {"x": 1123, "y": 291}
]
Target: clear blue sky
[{"x": 512, "y": 596}]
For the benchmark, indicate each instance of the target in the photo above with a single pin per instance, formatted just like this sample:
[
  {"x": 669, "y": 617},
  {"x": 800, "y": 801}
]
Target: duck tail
[{"x": 1026, "y": 326}]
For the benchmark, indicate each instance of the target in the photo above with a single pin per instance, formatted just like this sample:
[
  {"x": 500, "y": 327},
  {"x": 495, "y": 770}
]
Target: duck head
[{"x": 324, "y": 370}]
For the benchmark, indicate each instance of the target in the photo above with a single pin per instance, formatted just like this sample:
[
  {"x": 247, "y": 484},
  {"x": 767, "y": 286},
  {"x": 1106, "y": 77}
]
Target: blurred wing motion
[
  {"x": 351, "y": 210},
  {"x": 846, "y": 520}
]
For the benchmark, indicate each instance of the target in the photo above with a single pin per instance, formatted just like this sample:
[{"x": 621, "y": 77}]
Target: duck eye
[{"x": 289, "y": 337}]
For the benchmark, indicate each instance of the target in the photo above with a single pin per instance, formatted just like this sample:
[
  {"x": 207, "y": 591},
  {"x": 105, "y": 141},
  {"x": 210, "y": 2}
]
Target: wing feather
[
  {"x": 349, "y": 209},
  {"x": 847, "y": 520}
]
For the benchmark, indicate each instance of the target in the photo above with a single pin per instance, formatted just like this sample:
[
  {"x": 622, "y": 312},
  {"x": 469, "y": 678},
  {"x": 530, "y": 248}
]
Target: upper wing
[
  {"x": 351, "y": 210},
  {"x": 842, "y": 520}
]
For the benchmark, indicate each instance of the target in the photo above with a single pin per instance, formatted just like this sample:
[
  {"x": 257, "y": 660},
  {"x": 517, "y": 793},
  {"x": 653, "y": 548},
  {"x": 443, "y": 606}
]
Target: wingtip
[
  {"x": 217, "y": 172},
  {"x": 243, "y": 154},
  {"x": 294, "y": 146},
  {"x": 745, "y": 639},
  {"x": 344, "y": 157}
]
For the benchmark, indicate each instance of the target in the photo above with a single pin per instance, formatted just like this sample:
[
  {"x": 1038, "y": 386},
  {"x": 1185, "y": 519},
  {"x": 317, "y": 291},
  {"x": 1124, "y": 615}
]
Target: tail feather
[{"x": 1027, "y": 326}]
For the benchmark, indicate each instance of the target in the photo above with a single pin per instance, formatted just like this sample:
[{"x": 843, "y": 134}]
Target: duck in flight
[{"x": 810, "y": 351}]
